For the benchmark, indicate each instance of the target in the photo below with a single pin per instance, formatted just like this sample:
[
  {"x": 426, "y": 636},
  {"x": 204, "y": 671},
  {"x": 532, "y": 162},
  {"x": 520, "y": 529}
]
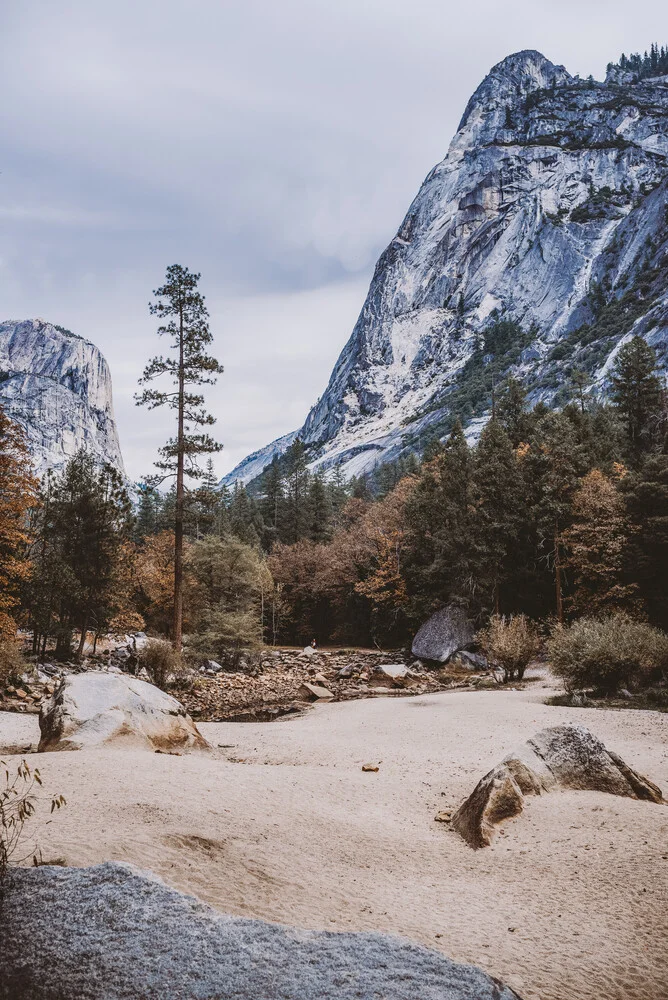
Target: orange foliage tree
[
  {"x": 351, "y": 588},
  {"x": 153, "y": 569},
  {"x": 595, "y": 543},
  {"x": 18, "y": 493}
]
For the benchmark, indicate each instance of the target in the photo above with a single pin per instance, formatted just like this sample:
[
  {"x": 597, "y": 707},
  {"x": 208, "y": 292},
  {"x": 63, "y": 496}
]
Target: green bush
[
  {"x": 607, "y": 653},
  {"x": 510, "y": 643}
]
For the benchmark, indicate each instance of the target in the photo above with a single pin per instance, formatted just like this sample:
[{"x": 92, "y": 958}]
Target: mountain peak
[
  {"x": 550, "y": 195},
  {"x": 57, "y": 386},
  {"x": 516, "y": 76}
]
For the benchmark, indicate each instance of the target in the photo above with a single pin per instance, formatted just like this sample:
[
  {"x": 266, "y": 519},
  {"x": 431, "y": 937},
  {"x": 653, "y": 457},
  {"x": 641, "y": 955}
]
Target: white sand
[{"x": 295, "y": 832}]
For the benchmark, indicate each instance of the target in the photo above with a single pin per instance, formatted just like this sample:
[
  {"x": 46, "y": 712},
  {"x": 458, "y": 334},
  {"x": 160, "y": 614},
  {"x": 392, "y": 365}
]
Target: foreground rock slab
[
  {"x": 447, "y": 631},
  {"x": 566, "y": 757},
  {"x": 112, "y": 932},
  {"x": 87, "y": 710}
]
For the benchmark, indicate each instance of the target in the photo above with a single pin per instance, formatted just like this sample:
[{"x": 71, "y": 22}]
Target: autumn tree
[
  {"x": 595, "y": 543},
  {"x": 184, "y": 319},
  {"x": 18, "y": 493},
  {"x": 384, "y": 531},
  {"x": 154, "y": 581}
]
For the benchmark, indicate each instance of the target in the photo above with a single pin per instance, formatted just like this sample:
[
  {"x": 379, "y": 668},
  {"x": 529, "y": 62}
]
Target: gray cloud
[{"x": 273, "y": 146}]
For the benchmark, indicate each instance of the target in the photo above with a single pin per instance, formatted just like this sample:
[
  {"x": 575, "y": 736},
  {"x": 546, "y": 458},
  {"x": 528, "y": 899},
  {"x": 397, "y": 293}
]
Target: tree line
[{"x": 553, "y": 513}]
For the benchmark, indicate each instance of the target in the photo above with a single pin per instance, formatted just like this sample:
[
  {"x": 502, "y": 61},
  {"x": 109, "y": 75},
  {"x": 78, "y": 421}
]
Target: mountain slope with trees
[{"x": 536, "y": 248}]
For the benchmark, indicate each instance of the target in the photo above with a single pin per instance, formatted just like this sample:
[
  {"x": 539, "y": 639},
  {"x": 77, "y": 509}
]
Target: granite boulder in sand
[
  {"x": 567, "y": 757},
  {"x": 113, "y": 932},
  {"x": 87, "y": 710}
]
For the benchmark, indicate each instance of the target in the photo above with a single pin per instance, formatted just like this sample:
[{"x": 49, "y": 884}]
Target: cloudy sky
[{"x": 272, "y": 145}]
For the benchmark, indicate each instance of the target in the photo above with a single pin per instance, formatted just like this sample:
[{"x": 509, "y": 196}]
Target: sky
[{"x": 274, "y": 147}]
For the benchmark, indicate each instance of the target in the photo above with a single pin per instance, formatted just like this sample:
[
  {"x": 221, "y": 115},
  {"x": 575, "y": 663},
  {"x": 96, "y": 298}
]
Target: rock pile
[
  {"x": 267, "y": 683},
  {"x": 285, "y": 679}
]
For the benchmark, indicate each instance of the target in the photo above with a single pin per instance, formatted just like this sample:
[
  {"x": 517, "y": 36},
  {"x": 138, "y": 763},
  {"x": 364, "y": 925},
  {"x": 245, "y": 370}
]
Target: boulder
[
  {"x": 88, "y": 710},
  {"x": 567, "y": 757},
  {"x": 392, "y": 671},
  {"x": 112, "y": 931},
  {"x": 316, "y": 691},
  {"x": 469, "y": 661},
  {"x": 447, "y": 631},
  {"x": 211, "y": 665}
]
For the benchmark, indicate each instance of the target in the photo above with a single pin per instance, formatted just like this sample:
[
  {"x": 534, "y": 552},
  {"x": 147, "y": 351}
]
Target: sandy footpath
[{"x": 571, "y": 901}]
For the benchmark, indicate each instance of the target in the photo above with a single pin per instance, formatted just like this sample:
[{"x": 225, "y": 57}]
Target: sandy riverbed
[{"x": 292, "y": 830}]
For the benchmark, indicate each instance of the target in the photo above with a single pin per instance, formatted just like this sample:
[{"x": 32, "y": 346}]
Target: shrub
[
  {"x": 607, "y": 653},
  {"x": 160, "y": 660},
  {"x": 17, "y": 805},
  {"x": 510, "y": 643},
  {"x": 12, "y": 664}
]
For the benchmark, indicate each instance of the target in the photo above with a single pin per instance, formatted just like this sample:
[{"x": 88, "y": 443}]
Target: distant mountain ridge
[
  {"x": 539, "y": 244},
  {"x": 57, "y": 386}
]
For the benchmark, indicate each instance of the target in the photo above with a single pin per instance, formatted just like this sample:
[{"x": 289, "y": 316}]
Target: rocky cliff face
[
  {"x": 539, "y": 243},
  {"x": 58, "y": 387}
]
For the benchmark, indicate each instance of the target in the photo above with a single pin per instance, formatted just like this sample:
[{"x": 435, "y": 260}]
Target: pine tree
[
  {"x": 244, "y": 517},
  {"x": 637, "y": 393},
  {"x": 147, "y": 511},
  {"x": 320, "y": 510},
  {"x": 552, "y": 468},
  {"x": 209, "y": 511},
  {"x": 83, "y": 524},
  {"x": 511, "y": 411},
  {"x": 295, "y": 515},
  {"x": 646, "y": 556},
  {"x": 580, "y": 382},
  {"x": 184, "y": 317},
  {"x": 442, "y": 563},
  {"x": 497, "y": 492},
  {"x": 272, "y": 502},
  {"x": 18, "y": 493}
]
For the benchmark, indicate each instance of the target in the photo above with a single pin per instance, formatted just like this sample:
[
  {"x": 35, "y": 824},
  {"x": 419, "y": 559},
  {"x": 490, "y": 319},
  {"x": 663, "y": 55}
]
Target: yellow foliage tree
[
  {"x": 18, "y": 493},
  {"x": 595, "y": 545}
]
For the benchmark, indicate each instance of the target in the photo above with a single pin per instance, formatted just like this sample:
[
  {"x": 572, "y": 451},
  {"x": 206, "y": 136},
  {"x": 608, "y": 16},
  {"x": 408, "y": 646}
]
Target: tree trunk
[
  {"x": 82, "y": 640},
  {"x": 64, "y": 643},
  {"x": 557, "y": 577},
  {"x": 178, "y": 525}
]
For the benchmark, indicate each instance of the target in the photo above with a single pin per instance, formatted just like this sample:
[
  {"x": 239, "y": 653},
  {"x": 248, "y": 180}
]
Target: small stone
[
  {"x": 370, "y": 767},
  {"x": 444, "y": 816},
  {"x": 316, "y": 691}
]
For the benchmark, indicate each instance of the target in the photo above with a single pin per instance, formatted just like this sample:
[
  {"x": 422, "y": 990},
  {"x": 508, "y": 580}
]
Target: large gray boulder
[
  {"x": 447, "y": 631},
  {"x": 91, "y": 709},
  {"x": 568, "y": 757},
  {"x": 112, "y": 932}
]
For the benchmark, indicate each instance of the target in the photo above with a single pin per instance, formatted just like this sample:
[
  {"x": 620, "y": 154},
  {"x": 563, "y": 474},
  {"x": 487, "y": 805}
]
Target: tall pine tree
[{"x": 184, "y": 319}]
